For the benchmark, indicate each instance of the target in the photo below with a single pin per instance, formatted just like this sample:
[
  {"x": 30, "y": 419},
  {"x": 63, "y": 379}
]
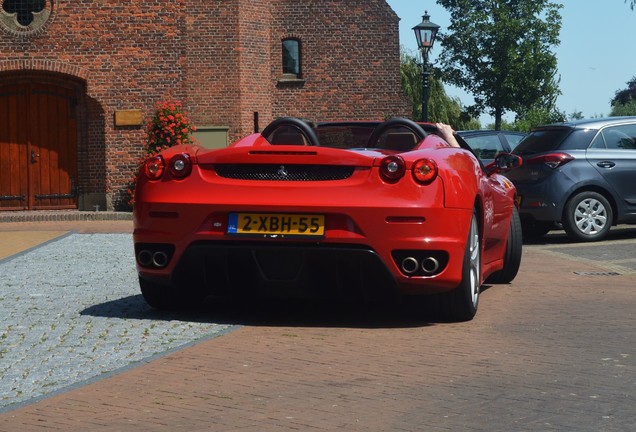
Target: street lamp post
[{"x": 425, "y": 33}]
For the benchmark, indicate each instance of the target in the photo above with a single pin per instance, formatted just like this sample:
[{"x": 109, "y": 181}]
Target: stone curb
[{"x": 62, "y": 215}]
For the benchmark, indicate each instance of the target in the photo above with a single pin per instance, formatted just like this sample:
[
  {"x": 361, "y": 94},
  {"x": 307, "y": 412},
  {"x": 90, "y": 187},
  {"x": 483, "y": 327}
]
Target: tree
[
  {"x": 632, "y": 3},
  {"x": 624, "y": 101},
  {"x": 536, "y": 117},
  {"x": 627, "y": 109},
  {"x": 500, "y": 52},
  {"x": 576, "y": 115},
  {"x": 441, "y": 107},
  {"x": 625, "y": 96},
  {"x": 411, "y": 80}
]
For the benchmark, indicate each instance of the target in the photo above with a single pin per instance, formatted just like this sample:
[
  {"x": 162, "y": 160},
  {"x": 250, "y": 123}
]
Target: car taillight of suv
[{"x": 552, "y": 160}]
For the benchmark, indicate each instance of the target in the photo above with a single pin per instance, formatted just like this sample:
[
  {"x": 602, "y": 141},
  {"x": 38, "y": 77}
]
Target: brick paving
[
  {"x": 553, "y": 351},
  {"x": 80, "y": 226},
  {"x": 14, "y": 242},
  {"x": 19, "y": 233}
]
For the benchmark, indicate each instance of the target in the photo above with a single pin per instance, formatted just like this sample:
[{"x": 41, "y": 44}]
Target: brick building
[{"x": 80, "y": 78}]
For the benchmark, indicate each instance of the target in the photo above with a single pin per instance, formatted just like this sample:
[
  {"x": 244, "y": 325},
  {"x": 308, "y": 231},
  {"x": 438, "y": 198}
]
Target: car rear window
[{"x": 563, "y": 138}]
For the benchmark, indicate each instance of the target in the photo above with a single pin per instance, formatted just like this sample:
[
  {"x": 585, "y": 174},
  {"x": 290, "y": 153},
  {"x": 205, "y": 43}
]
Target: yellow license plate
[{"x": 276, "y": 224}]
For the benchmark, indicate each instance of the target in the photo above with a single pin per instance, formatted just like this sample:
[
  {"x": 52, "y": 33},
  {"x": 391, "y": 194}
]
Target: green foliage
[
  {"x": 441, "y": 107},
  {"x": 576, "y": 115},
  {"x": 626, "y": 109},
  {"x": 624, "y": 101},
  {"x": 500, "y": 52},
  {"x": 622, "y": 97},
  {"x": 411, "y": 79},
  {"x": 536, "y": 117}
]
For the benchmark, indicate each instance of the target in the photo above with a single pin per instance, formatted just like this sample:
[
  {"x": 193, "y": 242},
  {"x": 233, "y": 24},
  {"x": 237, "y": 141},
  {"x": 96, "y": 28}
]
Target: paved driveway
[{"x": 553, "y": 351}]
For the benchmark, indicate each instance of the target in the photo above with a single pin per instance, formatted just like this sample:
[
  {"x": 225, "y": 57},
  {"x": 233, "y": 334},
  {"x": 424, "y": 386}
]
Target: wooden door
[
  {"x": 14, "y": 172},
  {"x": 38, "y": 147}
]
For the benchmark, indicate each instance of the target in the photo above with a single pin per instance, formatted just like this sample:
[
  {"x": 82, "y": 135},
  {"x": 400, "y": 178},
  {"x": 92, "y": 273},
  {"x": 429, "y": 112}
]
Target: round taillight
[
  {"x": 180, "y": 165},
  {"x": 154, "y": 167},
  {"x": 425, "y": 171},
  {"x": 392, "y": 168}
]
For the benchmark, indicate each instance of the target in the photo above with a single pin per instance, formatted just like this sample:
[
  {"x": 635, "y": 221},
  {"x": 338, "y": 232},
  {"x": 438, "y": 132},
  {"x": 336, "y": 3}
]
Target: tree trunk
[{"x": 498, "y": 116}]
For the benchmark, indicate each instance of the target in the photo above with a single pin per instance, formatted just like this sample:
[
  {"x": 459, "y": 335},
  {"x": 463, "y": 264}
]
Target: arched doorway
[{"x": 38, "y": 142}]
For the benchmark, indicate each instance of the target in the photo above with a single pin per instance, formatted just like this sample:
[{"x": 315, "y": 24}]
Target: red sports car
[{"x": 350, "y": 210}]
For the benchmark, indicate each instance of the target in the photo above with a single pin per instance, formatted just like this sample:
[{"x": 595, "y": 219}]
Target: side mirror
[{"x": 506, "y": 162}]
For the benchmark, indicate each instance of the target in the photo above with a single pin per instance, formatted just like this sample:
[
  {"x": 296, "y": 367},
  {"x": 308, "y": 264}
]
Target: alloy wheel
[
  {"x": 475, "y": 261},
  {"x": 590, "y": 216}
]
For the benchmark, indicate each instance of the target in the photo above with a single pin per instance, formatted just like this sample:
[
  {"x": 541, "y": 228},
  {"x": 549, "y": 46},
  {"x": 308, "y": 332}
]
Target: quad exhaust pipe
[
  {"x": 148, "y": 258},
  {"x": 160, "y": 259},
  {"x": 144, "y": 257},
  {"x": 429, "y": 265},
  {"x": 410, "y": 265}
]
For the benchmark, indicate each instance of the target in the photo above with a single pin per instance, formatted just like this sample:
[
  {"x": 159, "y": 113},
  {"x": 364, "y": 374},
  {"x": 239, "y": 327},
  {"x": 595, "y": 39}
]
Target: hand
[{"x": 447, "y": 132}]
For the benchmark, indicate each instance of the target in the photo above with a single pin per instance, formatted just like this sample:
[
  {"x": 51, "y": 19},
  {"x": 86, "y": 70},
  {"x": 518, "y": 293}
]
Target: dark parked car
[
  {"x": 581, "y": 175},
  {"x": 487, "y": 143}
]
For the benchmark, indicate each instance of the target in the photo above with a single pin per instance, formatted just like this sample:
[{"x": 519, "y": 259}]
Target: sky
[{"x": 596, "y": 56}]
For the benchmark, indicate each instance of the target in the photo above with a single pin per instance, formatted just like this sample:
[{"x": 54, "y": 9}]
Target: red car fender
[
  {"x": 460, "y": 173},
  {"x": 466, "y": 188}
]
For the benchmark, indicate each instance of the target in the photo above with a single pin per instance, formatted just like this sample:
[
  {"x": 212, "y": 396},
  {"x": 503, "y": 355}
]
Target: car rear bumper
[
  {"x": 362, "y": 252},
  {"x": 291, "y": 271},
  {"x": 543, "y": 201}
]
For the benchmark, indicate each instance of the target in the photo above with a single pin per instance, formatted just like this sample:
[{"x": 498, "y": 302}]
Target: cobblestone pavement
[{"x": 59, "y": 326}]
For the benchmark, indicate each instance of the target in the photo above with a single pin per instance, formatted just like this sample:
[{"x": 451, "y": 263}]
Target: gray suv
[{"x": 581, "y": 175}]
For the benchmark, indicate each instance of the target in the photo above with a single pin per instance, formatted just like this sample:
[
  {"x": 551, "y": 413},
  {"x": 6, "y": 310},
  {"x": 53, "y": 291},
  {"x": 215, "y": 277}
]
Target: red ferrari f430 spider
[{"x": 340, "y": 210}]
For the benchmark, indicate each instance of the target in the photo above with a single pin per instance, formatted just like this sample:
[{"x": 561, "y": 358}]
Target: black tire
[
  {"x": 535, "y": 229},
  {"x": 157, "y": 295},
  {"x": 461, "y": 303},
  {"x": 512, "y": 256},
  {"x": 587, "y": 217},
  {"x": 166, "y": 297}
]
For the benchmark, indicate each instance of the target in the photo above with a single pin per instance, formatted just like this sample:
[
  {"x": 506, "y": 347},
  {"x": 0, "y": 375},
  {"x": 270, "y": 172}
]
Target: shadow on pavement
[{"x": 283, "y": 313}]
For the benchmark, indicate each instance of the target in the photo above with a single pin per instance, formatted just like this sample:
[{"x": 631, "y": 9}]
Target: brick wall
[
  {"x": 350, "y": 56},
  {"x": 129, "y": 55},
  {"x": 211, "y": 76},
  {"x": 222, "y": 59}
]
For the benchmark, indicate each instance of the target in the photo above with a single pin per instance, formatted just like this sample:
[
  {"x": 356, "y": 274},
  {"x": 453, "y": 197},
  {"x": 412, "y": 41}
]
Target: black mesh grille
[{"x": 278, "y": 172}]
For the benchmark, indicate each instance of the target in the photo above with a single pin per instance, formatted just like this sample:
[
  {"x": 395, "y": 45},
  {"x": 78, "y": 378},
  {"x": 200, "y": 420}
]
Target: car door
[{"x": 613, "y": 155}]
